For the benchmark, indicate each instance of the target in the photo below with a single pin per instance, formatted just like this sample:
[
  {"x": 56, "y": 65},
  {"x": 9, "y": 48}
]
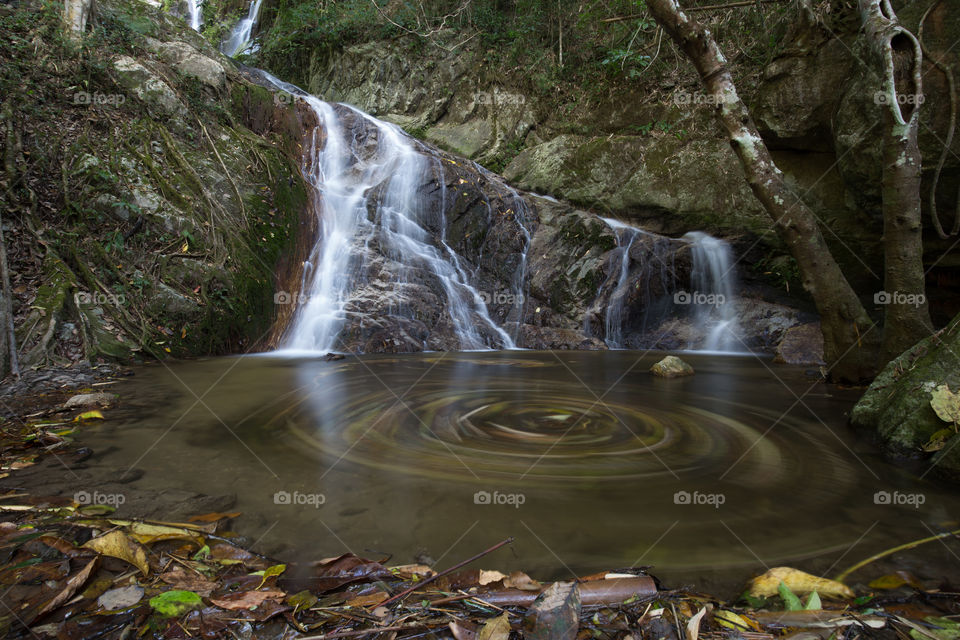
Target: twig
[
  {"x": 365, "y": 632},
  {"x": 419, "y": 585},
  {"x": 903, "y": 547}
]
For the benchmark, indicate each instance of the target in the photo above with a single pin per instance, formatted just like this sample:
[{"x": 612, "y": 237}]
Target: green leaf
[
  {"x": 175, "y": 603},
  {"x": 790, "y": 600},
  {"x": 813, "y": 602},
  {"x": 945, "y": 403},
  {"x": 203, "y": 553},
  {"x": 948, "y": 629}
]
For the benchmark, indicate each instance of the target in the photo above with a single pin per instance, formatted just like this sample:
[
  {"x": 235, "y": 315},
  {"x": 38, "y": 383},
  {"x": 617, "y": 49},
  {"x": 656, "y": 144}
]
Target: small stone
[
  {"x": 671, "y": 367},
  {"x": 90, "y": 400}
]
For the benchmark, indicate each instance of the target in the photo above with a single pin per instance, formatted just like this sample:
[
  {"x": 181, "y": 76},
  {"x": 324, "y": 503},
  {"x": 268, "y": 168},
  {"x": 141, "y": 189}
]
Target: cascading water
[
  {"x": 708, "y": 300},
  {"x": 713, "y": 283},
  {"x": 194, "y": 17},
  {"x": 613, "y": 317},
  {"x": 380, "y": 173},
  {"x": 240, "y": 39}
]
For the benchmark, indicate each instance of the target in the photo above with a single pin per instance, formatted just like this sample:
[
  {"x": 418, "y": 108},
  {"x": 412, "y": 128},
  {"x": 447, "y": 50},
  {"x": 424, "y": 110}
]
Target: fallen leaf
[
  {"x": 172, "y": 604},
  {"x": 486, "y": 577},
  {"x": 116, "y": 544},
  {"x": 214, "y": 517},
  {"x": 368, "y": 600},
  {"x": 693, "y": 624},
  {"x": 270, "y": 572},
  {"x": 183, "y": 580},
  {"x": 942, "y": 629},
  {"x": 520, "y": 580},
  {"x": 461, "y": 631},
  {"x": 731, "y": 620},
  {"x": 895, "y": 580},
  {"x": 246, "y": 599},
  {"x": 555, "y": 614},
  {"x": 89, "y": 415},
  {"x": 496, "y": 629},
  {"x": 121, "y": 597},
  {"x": 302, "y": 600},
  {"x": 798, "y": 582},
  {"x": 76, "y": 581},
  {"x": 333, "y": 573},
  {"x": 945, "y": 403}
]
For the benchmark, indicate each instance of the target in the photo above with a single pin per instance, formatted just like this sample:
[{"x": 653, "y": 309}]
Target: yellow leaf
[
  {"x": 89, "y": 415},
  {"x": 495, "y": 629},
  {"x": 732, "y": 620},
  {"x": 116, "y": 544},
  {"x": 185, "y": 247},
  {"x": 799, "y": 582}
]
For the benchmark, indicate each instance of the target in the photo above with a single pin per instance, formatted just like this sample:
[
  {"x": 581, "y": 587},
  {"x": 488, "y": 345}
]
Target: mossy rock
[{"x": 897, "y": 404}]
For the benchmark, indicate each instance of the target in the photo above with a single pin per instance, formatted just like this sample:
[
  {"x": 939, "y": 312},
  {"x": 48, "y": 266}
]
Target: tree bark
[
  {"x": 850, "y": 343},
  {"x": 899, "y": 56}
]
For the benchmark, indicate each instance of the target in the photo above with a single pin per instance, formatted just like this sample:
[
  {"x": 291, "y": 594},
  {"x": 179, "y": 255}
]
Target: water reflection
[{"x": 587, "y": 459}]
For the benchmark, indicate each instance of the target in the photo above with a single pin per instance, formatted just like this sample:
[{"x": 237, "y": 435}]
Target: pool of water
[{"x": 585, "y": 458}]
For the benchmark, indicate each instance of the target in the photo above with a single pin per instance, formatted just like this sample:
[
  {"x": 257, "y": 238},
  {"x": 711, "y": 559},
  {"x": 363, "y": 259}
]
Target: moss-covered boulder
[{"x": 897, "y": 404}]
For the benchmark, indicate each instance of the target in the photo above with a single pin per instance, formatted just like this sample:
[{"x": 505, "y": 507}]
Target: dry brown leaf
[
  {"x": 247, "y": 599},
  {"x": 487, "y": 577},
  {"x": 117, "y": 544},
  {"x": 520, "y": 580},
  {"x": 214, "y": 517},
  {"x": 76, "y": 581},
  {"x": 767, "y": 585},
  {"x": 180, "y": 578},
  {"x": 495, "y": 629}
]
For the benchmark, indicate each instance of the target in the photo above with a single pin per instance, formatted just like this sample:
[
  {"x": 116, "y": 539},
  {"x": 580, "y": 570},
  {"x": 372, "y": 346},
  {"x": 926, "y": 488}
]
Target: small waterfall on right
[
  {"x": 240, "y": 39},
  {"x": 713, "y": 293}
]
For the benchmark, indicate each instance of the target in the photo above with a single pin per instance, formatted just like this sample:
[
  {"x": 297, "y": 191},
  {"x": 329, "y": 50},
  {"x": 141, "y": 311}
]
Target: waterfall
[
  {"x": 194, "y": 17},
  {"x": 240, "y": 38},
  {"x": 713, "y": 283},
  {"x": 367, "y": 194},
  {"x": 642, "y": 290},
  {"x": 613, "y": 319}
]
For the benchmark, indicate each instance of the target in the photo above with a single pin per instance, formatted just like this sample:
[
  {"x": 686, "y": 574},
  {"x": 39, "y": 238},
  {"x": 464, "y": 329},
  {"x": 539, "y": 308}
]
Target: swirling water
[{"x": 586, "y": 458}]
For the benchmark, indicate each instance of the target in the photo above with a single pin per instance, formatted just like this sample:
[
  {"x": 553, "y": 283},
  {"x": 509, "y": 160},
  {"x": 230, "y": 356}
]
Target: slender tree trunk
[
  {"x": 850, "y": 344},
  {"x": 898, "y": 55}
]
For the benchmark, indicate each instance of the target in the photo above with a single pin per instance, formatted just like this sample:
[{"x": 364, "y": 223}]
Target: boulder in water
[{"x": 671, "y": 367}]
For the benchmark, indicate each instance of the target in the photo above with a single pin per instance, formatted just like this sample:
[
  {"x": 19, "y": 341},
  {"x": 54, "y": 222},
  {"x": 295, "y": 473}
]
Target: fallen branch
[
  {"x": 366, "y": 632},
  {"x": 405, "y": 593}
]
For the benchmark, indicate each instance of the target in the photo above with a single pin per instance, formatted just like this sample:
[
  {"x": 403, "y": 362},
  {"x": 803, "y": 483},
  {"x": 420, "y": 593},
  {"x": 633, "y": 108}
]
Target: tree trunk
[
  {"x": 898, "y": 54},
  {"x": 850, "y": 342}
]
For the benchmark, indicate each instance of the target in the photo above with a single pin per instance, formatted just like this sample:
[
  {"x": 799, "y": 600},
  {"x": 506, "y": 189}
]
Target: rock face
[
  {"x": 897, "y": 405},
  {"x": 802, "y": 344}
]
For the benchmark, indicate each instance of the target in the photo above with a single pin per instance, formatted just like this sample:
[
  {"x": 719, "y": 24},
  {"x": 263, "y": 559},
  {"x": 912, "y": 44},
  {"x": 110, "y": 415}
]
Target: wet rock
[
  {"x": 190, "y": 62},
  {"x": 671, "y": 367},
  {"x": 802, "y": 344},
  {"x": 897, "y": 405},
  {"x": 90, "y": 400}
]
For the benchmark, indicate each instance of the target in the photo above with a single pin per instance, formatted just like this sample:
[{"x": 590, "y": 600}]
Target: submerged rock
[
  {"x": 671, "y": 367},
  {"x": 897, "y": 404}
]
